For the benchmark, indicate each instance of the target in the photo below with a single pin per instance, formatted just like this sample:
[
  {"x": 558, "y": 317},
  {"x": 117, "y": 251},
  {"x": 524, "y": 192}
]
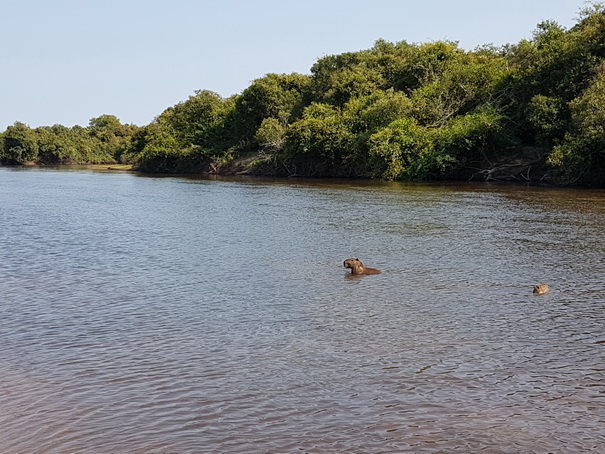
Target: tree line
[{"x": 526, "y": 111}]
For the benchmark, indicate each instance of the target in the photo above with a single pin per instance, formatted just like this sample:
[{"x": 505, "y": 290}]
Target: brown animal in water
[
  {"x": 541, "y": 289},
  {"x": 357, "y": 267}
]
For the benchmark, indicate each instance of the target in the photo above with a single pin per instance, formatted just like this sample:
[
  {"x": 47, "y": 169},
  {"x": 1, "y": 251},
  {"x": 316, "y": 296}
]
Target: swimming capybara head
[
  {"x": 357, "y": 267},
  {"x": 541, "y": 289}
]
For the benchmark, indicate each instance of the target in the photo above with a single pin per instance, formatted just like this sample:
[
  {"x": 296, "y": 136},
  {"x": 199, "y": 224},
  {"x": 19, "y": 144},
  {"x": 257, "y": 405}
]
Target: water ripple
[{"x": 172, "y": 315}]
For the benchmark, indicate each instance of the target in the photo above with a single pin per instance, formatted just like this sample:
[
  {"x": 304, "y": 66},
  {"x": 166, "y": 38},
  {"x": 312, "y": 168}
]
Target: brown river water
[{"x": 178, "y": 315}]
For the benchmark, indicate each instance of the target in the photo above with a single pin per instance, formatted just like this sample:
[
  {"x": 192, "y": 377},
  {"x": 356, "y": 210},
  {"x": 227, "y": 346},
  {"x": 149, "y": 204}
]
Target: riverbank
[
  {"x": 525, "y": 165},
  {"x": 121, "y": 167}
]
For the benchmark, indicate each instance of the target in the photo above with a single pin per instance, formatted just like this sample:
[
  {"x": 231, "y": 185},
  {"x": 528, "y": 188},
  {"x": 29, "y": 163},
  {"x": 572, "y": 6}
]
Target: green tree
[
  {"x": 581, "y": 156},
  {"x": 467, "y": 140},
  {"x": 397, "y": 148},
  {"x": 198, "y": 121},
  {"x": 367, "y": 114},
  {"x": 160, "y": 150},
  {"x": 110, "y": 136},
  {"x": 349, "y": 83},
  {"x": 155, "y": 148},
  {"x": 456, "y": 85},
  {"x": 278, "y": 96},
  {"x": 320, "y": 142},
  {"x": 108, "y": 129},
  {"x": 54, "y": 144},
  {"x": 271, "y": 135},
  {"x": 551, "y": 70},
  {"x": 19, "y": 144},
  {"x": 549, "y": 118}
]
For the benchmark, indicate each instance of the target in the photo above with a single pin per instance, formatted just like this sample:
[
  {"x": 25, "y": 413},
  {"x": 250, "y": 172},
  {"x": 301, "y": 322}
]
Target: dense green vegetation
[
  {"x": 103, "y": 141},
  {"x": 532, "y": 110}
]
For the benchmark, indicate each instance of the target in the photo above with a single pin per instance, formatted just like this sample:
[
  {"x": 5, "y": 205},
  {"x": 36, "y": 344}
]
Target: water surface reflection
[{"x": 183, "y": 315}]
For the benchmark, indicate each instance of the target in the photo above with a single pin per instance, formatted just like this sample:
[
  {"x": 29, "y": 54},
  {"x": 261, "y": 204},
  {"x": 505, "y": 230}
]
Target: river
[{"x": 144, "y": 314}]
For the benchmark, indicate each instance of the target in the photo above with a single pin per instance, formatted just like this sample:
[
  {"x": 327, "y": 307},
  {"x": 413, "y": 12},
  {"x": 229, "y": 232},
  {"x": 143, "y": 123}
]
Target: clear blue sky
[{"x": 67, "y": 61}]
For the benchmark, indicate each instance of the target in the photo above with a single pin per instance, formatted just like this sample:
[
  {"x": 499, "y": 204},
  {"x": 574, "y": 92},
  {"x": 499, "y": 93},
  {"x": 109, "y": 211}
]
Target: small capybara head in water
[
  {"x": 357, "y": 267},
  {"x": 541, "y": 289}
]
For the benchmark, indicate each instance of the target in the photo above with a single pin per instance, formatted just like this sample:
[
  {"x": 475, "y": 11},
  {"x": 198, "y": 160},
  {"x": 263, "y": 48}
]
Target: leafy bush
[
  {"x": 581, "y": 155},
  {"x": 322, "y": 137},
  {"x": 395, "y": 149},
  {"x": 19, "y": 144},
  {"x": 271, "y": 134}
]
